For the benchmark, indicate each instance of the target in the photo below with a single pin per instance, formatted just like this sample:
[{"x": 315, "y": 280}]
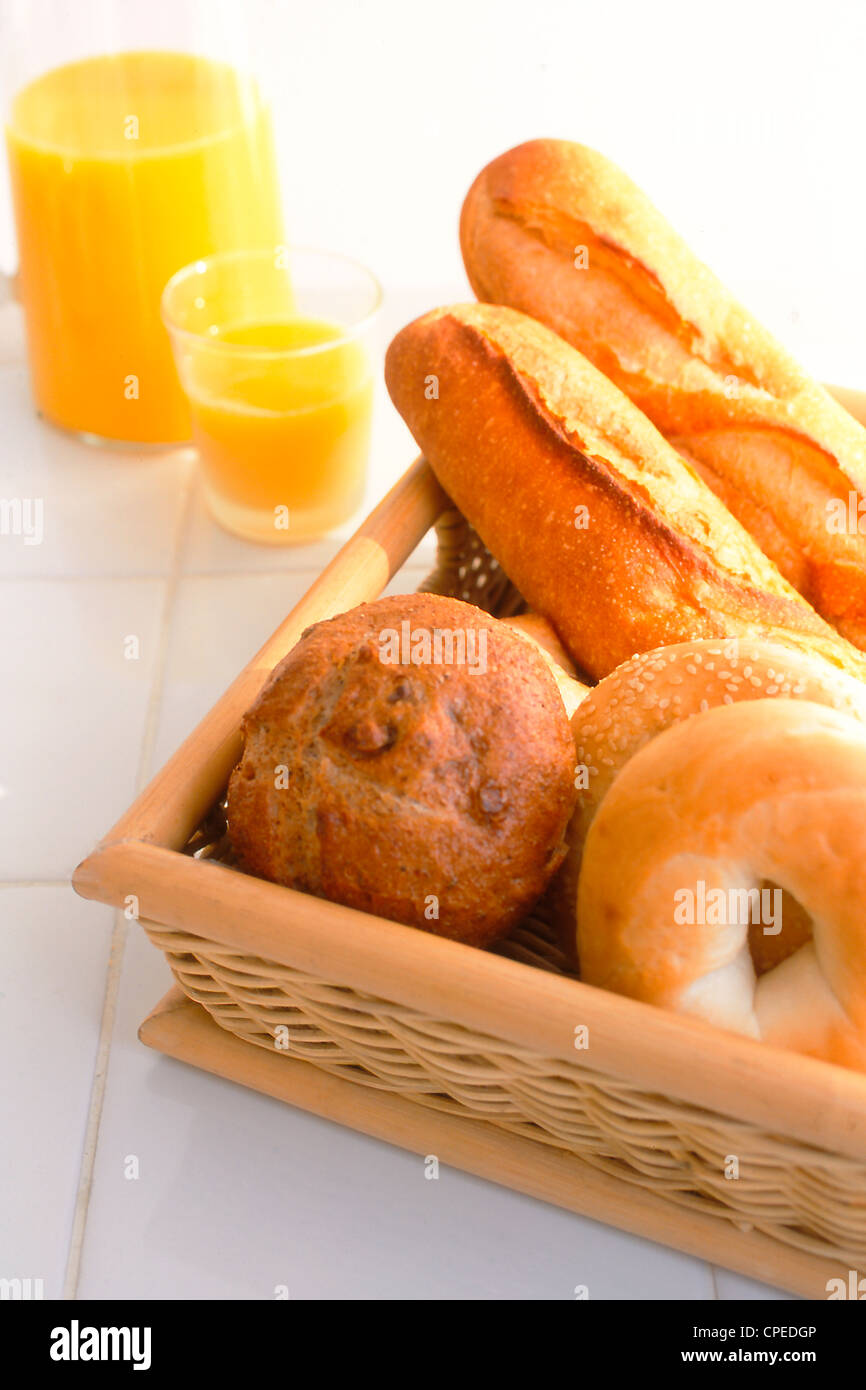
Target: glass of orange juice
[
  {"x": 125, "y": 166},
  {"x": 274, "y": 350}
]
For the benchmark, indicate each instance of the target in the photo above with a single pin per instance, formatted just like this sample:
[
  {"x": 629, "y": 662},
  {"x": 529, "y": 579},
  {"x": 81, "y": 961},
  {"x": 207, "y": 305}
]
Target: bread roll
[
  {"x": 691, "y": 849},
  {"x": 558, "y": 231},
  {"x": 604, "y": 528},
  {"x": 420, "y": 786},
  {"x": 542, "y": 635}
]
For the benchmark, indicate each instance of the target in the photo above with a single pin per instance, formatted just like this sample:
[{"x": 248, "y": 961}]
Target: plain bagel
[{"x": 742, "y": 798}]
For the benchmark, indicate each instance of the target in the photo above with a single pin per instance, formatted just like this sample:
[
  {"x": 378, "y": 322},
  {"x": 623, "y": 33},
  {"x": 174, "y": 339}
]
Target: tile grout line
[
  {"x": 34, "y": 882},
  {"x": 314, "y": 567},
  {"x": 119, "y": 929},
  {"x": 94, "y": 1115}
]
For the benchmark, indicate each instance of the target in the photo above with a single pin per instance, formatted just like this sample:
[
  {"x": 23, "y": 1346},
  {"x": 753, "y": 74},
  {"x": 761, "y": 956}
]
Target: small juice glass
[{"x": 274, "y": 350}]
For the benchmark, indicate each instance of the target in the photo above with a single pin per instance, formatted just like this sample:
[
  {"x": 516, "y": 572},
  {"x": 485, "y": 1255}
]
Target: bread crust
[
  {"x": 529, "y": 439},
  {"x": 434, "y": 794},
  {"x": 766, "y": 437}
]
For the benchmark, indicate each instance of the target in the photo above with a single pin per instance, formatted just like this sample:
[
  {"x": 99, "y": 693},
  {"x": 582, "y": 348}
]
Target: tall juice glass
[{"x": 124, "y": 167}]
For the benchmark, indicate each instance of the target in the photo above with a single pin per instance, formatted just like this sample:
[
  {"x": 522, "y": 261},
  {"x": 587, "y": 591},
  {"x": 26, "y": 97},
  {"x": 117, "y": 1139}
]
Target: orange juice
[
  {"x": 281, "y": 416},
  {"x": 125, "y": 168}
]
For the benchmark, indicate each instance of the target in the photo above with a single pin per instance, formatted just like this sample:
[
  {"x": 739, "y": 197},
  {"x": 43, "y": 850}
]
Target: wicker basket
[{"x": 758, "y": 1156}]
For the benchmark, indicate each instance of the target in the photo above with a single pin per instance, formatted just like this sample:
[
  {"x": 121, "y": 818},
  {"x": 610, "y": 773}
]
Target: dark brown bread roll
[{"x": 379, "y": 773}]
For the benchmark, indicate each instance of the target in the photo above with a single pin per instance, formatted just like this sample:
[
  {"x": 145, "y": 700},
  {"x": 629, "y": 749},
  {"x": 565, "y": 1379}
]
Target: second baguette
[{"x": 603, "y": 527}]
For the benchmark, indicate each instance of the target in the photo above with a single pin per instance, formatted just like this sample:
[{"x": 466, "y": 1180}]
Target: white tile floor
[{"x": 235, "y": 1193}]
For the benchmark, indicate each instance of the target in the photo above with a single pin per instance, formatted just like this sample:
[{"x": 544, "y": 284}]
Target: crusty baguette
[
  {"x": 604, "y": 528},
  {"x": 558, "y": 231}
]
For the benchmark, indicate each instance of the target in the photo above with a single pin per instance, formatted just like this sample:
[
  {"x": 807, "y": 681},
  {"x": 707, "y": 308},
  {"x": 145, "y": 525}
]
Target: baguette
[
  {"x": 558, "y": 231},
  {"x": 606, "y": 531}
]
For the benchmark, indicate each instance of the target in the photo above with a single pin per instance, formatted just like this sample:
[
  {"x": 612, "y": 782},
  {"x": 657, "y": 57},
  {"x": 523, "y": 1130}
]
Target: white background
[{"x": 745, "y": 122}]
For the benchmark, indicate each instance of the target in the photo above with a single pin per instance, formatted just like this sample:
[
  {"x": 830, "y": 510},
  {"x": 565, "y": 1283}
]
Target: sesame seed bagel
[
  {"x": 651, "y": 692},
  {"x": 742, "y": 800}
]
